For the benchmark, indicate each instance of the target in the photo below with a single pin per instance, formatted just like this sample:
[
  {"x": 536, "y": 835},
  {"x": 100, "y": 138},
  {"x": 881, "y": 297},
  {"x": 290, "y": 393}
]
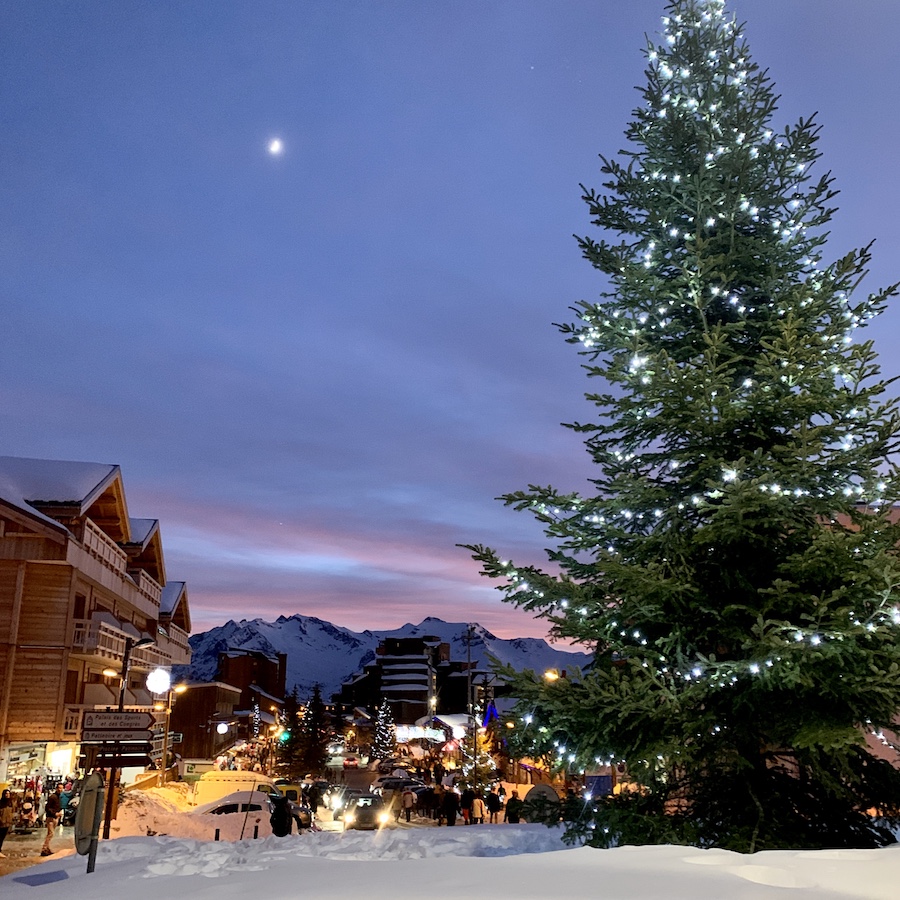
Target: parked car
[
  {"x": 391, "y": 783},
  {"x": 368, "y": 813},
  {"x": 236, "y": 802},
  {"x": 215, "y": 784},
  {"x": 255, "y": 801}
]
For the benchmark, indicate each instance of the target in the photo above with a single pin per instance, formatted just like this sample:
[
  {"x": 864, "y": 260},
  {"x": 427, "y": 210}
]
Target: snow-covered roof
[
  {"x": 453, "y": 720},
  {"x": 173, "y": 604},
  {"x": 403, "y": 687},
  {"x": 410, "y": 666},
  {"x": 172, "y": 594},
  {"x": 54, "y": 480},
  {"x": 142, "y": 529},
  {"x": 9, "y": 498}
]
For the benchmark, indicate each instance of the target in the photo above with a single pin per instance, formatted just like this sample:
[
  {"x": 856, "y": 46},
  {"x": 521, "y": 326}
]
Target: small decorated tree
[{"x": 384, "y": 741}]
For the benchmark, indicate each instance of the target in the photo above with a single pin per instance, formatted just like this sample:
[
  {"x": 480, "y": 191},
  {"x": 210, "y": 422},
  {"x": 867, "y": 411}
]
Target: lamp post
[
  {"x": 130, "y": 644},
  {"x": 160, "y": 682}
]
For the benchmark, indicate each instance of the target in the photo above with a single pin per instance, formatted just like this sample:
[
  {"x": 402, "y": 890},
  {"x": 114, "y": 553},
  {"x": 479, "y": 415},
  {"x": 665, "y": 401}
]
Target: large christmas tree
[{"x": 734, "y": 565}]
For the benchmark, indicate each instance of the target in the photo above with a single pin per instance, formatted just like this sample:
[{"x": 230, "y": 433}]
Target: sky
[{"x": 318, "y": 368}]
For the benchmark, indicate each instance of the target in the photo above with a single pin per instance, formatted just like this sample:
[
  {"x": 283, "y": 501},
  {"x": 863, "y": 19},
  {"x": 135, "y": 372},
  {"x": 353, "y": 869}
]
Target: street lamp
[
  {"x": 130, "y": 644},
  {"x": 159, "y": 681}
]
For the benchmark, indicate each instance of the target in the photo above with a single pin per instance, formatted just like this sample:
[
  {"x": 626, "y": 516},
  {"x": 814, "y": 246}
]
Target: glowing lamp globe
[
  {"x": 159, "y": 681},
  {"x": 221, "y": 728}
]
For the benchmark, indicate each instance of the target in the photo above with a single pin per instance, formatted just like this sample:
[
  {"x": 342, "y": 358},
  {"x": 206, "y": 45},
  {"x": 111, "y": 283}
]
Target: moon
[{"x": 276, "y": 147}]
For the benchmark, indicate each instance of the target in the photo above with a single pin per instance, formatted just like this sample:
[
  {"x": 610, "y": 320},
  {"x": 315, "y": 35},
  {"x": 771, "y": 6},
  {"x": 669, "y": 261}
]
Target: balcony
[
  {"x": 72, "y": 716},
  {"x": 104, "y": 548},
  {"x": 173, "y": 642},
  {"x": 101, "y": 559},
  {"x": 148, "y": 587},
  {"x": 102, "y": 642}
]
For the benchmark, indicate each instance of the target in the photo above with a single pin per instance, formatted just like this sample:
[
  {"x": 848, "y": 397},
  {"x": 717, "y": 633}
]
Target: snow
[
  {"x": 54, "y": 480},
  {"x": 521, "y": 861}
]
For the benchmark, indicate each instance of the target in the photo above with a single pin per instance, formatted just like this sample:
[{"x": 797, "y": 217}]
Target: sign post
[{"x": 88, "y": 817}]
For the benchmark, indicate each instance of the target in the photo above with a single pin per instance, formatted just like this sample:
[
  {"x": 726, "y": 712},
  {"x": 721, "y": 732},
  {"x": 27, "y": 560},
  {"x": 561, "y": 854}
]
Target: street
[{"x": 23, "y": 850}]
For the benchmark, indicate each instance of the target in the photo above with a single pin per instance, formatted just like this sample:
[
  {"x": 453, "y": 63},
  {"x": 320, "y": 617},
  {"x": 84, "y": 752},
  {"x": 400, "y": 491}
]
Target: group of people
[
  {"x": 24, "y": 810},
  {"x": 447, "y": 805}
]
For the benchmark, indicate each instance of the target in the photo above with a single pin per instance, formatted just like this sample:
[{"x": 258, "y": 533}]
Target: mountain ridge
[{"x": 319, "y": 652}]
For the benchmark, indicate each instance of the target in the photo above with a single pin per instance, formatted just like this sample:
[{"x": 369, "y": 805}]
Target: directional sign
[
  {"x": 121, "y": 762},
  {"x": 95, "y": 735},
  {"x": 121, "y": 747},
  {"x": 118, "y": 721}
]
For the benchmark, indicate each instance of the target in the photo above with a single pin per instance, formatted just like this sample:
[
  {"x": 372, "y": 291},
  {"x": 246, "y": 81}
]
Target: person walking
[
  {"x": 6, "y": 818},
  {"x": 450, "y": 806},
  {"x": 493, "y": 805},
  {"x": 52, "y": 810},
  {"x": 465, "y": 804},
  {"x": 513, "y": 809},
  {"x": 408, "y": 799},
  {"x": 477, "y": 810}
]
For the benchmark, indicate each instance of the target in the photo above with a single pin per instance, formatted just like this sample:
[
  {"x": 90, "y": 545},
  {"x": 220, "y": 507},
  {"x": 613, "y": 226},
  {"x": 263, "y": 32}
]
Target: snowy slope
[{"x": 325, "y": 654}]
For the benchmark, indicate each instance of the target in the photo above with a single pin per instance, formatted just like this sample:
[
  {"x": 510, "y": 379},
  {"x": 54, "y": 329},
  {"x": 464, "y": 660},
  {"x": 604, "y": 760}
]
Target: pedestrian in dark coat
[
  {"x": 513, "y": 809},
  {"x": 450, "y": 806},
  {"x": 280, "y": 820},
  {"x": 493, "y": 805},
  {"x": 465, "y": 804}
]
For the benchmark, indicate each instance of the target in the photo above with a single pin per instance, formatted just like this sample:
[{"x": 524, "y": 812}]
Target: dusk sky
[{"x": 318, "y": 367}]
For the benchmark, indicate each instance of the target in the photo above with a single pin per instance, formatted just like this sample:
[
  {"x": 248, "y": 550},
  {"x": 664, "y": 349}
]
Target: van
[{"x": 213, "y": 785}]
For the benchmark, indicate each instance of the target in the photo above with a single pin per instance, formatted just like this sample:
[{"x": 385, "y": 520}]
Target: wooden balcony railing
[
  {"x": 94, "y": 638},
  {"x": 72, "y": 721},
  {"x": 104, "y": 548},
  {"x": 149, "y": 588}
]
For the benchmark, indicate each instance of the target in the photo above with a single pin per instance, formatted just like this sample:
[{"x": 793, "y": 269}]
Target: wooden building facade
[{"x": 78, "y": 577}]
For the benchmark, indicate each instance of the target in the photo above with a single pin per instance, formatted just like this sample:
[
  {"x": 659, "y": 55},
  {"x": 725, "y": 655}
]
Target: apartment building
[{"x": 80, "y": 579}]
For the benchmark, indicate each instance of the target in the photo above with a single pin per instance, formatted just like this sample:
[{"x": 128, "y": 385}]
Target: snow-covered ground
[{"x": 498, "y": 861}]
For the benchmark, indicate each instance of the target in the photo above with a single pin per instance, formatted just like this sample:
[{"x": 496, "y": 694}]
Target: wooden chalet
[{"x": 78, "y": 576}]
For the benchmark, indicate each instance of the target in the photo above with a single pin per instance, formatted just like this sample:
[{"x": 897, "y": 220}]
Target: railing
[
  {"x": 150, "y": 658},
  {"x": 178, "y": 638},
  {"x": 72, "y": 721},
  {"x": 149, "y": 588},
  {"x": 105, "y": 640},
  {"x": 99, "y": 638},
  {"x": 104, "y": 548}
]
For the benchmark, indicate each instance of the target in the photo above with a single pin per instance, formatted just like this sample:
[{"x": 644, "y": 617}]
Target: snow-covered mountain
[{"x": 325, "y": 654}]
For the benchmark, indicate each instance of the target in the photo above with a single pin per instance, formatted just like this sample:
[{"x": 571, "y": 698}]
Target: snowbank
[{"x": 516, "y": 861}]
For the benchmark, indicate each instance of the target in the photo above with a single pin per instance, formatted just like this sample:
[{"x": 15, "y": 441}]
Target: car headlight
[
  {"x": 349, "y": 817},
  {"x": 384, "y": 818}
]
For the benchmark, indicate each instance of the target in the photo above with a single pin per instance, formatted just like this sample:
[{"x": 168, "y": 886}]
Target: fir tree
[
  {"x": 384, "y": 742},
  {"x": 478, "y": 765},
  {"x": 734, "y": 566},
  {"x": 290, "y": 742},
  {"x": 314, "y": 734}
]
